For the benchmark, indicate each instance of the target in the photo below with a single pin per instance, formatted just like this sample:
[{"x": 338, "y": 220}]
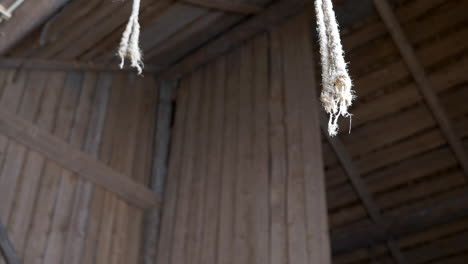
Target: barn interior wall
[
  {"x": 51, "y": 214},
  {"x": 246, "y": 180}
]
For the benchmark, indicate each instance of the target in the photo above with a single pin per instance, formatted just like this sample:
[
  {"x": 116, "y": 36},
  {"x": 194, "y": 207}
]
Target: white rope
[
  {"x": 5, "y": 13},
  {"x": 336, "y": 94},
  {"x": 129, "y": 44}
]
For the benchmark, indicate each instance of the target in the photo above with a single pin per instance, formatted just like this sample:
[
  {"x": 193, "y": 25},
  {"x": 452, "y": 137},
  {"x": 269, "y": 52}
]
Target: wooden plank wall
[
  {"x": 51, "y": 214},
  {"x": 246, "y": 180}
]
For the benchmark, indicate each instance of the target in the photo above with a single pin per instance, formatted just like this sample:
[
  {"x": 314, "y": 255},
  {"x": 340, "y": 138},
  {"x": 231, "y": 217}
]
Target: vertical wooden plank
[
  {"x": 260, "y": 180},
  {"x": 84, "y": 121},
  {"x": 107, "y": 222},
  {"x": 179, "y": 244},
  {"x": 91, "y": 146},
  {"x": 67, "y": 128},
  {"x": 7, "y": 251},
  {"x": 229, "y": 160},
  {"x": 14, "y": 153},
  {"x": 208, "y": 245},
  {"x": 173, "y": 179},
  {"x": 11, "y": 171},
  {"x": 278, "y": 235},
  {"x": 160, "y": 157},
  {"x": 3, "y": 79},
  {"x": 40, "y": 222},
  {"x": 34, "y": 164},
  {"x": 17, "y": 196},
  {"x": 244, "y": 209},
  {"x": 314, "y": 178},
  {"x": 297, "y": 242},
  {"x": 200, "y": 164},
  {"x": 123, "y": 158},
  {"x": 106, "y": 228},
  {"x": 143, "y": 169}
]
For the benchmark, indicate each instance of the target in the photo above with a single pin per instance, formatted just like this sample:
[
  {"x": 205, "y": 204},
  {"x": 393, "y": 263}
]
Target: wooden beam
[
  {"x": 441, "y": 213},
  {"x": 420, "y": 76},
  {"x": 25, "y": 19},
  {"x": 226, "y": 6},
  {"x": 162, "y": 138},
  {"x": 6, "y": 247},
  {"x": 76, "y": 161},
  {"x": 269, "y": 17},
  {"x": 56, "y": 65},
  {"x": 360, "y": 187}
]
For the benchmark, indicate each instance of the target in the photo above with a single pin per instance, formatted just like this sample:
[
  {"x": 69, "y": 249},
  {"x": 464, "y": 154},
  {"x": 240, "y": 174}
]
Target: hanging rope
[
  {"x": 336, "y": 94},
  {"x": 129, "y": 47}
]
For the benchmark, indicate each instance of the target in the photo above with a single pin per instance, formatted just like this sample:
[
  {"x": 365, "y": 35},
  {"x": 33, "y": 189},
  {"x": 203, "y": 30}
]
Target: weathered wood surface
[
  {"x": 55, "y": 65},
  {"x": 50, "y": 212},
  {"x": 227, "y": 6},
  {"x": 219, "y": 185},
  {"x": 162, "y": 137},
  {"x": 413, "y": 222},
  {"x": 425, "y": 87},
  {"x": 74, "y": 160},
  {"x": 25, "y": 19},
  {"x": 6, "y": 248},
  {"x": 269, "y": 17}
]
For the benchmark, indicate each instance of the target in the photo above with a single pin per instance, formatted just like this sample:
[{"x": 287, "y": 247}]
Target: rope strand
[
  {"x": 129, "y": 44},
  {"x": 336, "y": 94}
]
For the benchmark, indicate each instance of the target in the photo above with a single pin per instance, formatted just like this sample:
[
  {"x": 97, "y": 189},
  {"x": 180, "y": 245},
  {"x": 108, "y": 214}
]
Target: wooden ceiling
[
  {"x": 396, "y": 145},
  {"x": 90, "y": 30}
]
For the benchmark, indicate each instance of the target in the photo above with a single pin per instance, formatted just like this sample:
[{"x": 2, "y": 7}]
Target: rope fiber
[{"x": 336, "y": 94}]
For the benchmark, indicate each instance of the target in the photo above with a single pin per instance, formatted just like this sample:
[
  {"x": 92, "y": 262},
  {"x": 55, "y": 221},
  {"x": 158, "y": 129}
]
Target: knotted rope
[
  {"x": 336, "y": 94},
  {"x": 129, "y": 47}
]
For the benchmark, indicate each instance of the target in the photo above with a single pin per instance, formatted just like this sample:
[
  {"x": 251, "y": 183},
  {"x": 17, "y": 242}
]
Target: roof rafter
[
  {"x": 441, "y": 213},
  {"x": 360, "y": 186},
  {"x": 425, "y": 87},
  {"x": 25, "y": 20},
  {"x": 226, "y": 6}
]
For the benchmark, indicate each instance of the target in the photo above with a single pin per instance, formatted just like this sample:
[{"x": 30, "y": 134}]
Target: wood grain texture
[
  {"x": 248, "y": 212},
  {"x": 51, "y": 213},
  {"x": 25, "y": 20},
  {"x": 55, "y": 149}
]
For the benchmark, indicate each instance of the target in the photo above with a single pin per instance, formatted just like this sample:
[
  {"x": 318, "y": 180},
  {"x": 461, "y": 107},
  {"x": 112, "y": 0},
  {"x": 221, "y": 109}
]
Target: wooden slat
[
  {"x": 36, "y": 240},
  {"x": 68, "y": 109},
  {"x": 198, "y": 187},
  {"x": 170, "y": 198},
  {"x": 208, "y": 246},
  {"x": 234, "y": 37},
  {"x": 159, "y": 166},
  {"x": 278, "y": 252},
  {"x": 82, "y": 219},
  {"x": 361, "y": 188},
  {"x": 226, "y": 6},
  {"x": 297, "y": 244},
  {"x": 25, "y": 19},
  {"x": 28, "y": 180},
  {"x": 225, "y": 254},
  {"x": 260, "y": 180},
  {"x": 179, "y": 241},
  {"x": 6, "y": 247},
  {"x": 412, "y": 222},
  {"x": 421, "y": 78},
  {"x": 243, "y": 209},
  {"x": 78, "y": 162},
  {"x": 14, "y": 152},
  {"x": 314, "y": 175}
]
